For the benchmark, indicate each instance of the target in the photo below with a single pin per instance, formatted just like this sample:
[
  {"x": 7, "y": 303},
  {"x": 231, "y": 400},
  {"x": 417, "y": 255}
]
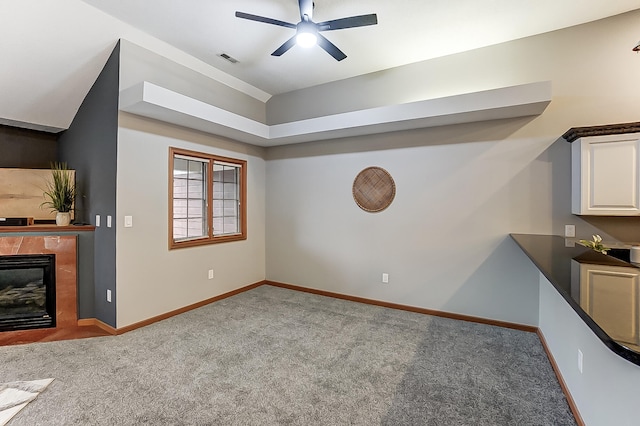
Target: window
[{"x": 207, "y": 199}]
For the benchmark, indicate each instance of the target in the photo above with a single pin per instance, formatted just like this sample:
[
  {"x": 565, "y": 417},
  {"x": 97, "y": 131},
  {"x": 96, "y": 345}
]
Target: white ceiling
[
  {"x": 408, "y": 31},
  {"x": 52, "y": 51}
]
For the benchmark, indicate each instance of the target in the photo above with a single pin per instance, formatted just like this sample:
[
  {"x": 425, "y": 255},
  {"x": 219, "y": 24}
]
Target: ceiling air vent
[{"x": 228, "y": 58}]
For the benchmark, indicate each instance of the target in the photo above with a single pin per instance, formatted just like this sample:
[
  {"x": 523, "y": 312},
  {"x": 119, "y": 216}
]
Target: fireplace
[{"x": 27, "y": 291}]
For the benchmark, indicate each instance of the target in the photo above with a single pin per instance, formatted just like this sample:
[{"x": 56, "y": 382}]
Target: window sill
[{"x": 206, "y": 241}]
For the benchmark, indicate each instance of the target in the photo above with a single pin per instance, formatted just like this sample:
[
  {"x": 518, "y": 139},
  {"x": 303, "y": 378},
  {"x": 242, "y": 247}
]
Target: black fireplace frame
[{"x": 29, "y": 321}]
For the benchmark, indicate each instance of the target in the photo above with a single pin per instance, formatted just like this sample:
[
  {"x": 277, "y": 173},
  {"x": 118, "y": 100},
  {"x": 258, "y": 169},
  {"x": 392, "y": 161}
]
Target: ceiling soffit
[{"x": 153, "y": 101}]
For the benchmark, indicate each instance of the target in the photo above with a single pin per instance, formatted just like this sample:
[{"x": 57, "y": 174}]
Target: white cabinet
[
  {"x": 611, "y": 295},
  {"x": 605, "y": 175}
]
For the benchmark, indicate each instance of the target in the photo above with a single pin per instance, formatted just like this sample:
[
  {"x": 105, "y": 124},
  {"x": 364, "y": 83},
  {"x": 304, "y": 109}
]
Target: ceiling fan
[{"x": 308, "y": 32}]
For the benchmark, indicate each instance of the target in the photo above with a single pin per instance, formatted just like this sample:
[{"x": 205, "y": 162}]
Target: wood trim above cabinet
[{"x": 576, "y": 133}]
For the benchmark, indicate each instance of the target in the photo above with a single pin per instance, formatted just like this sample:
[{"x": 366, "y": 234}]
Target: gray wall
[
  {"x": 152, "y": 279},
  {"x": 90, "y": 147},
  {"x": 444, "y": 239}
]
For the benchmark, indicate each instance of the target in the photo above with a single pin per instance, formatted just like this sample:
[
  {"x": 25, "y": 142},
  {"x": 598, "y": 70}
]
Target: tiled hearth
[{"x": 64, "y": 247}]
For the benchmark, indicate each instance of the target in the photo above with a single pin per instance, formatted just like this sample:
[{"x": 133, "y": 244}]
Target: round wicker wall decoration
[{"x": 373, "y": 189}]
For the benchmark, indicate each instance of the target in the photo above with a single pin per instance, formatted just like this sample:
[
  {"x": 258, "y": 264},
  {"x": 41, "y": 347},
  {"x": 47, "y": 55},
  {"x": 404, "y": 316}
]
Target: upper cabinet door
[{"x": 605, "y": 175}]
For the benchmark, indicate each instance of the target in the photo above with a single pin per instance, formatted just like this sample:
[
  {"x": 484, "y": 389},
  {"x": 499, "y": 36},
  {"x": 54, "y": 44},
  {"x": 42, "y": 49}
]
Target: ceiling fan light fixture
[
  {"x": 306, "y": 34},
  {"x": 304, "y": 39}
]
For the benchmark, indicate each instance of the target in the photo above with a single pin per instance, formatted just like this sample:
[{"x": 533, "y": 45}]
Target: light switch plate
[
  {"x": 570, "y": 231},
  {"x": 128, "y": 221},
  {"x": 108, "y": 221},
  {"x": 97, "y": 221}
]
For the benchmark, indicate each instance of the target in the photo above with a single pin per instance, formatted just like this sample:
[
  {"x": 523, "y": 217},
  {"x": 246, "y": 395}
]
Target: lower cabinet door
[{"x": 610, "y": 295}]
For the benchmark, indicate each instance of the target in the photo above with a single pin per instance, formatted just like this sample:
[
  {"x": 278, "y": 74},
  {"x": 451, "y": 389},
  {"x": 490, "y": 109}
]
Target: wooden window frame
[{"x": 209, "y": 238}]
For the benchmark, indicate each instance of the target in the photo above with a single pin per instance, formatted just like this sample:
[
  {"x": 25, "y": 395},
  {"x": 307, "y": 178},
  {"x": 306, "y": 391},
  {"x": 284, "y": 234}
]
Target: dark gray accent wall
[
  {"x": 86, "y": 271},
  {"x": 90, "y": 147},
  {"x": 27, "y": 149}
]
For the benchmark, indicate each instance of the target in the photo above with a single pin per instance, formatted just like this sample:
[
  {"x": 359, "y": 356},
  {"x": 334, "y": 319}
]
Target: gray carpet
[{"x": 272, "y": 356}]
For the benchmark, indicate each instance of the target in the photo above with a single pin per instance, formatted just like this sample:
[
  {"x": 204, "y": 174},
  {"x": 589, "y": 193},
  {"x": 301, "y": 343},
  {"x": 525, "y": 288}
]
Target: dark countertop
[{"x": 561, "y": 266}]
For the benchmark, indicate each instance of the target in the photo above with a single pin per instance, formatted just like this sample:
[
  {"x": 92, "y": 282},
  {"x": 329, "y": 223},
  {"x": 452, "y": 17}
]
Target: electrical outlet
[
  {"x": 385, "y": 278},
  {"x": 210, "y": 274},
  {"x": 570, "y": 231},
  {"x": 580, "y": 361},
  {"x": 109, "y": 296}
]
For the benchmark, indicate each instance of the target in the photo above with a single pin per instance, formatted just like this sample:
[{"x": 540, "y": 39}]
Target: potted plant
[
  {"x": 596, "y": 244},
  {"x": 61, "y": 193}
]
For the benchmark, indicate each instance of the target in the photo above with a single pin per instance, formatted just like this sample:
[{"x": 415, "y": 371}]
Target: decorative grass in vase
[{"x": 61, "y": 193}]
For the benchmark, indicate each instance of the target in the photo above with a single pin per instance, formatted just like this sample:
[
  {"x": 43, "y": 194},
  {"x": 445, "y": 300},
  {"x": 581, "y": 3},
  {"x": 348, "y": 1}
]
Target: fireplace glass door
[{"x": 27, "y": 291}]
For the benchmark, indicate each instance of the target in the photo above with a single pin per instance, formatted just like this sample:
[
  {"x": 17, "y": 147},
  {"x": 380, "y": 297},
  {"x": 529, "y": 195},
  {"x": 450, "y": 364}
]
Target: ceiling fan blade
[
  {"x": 263, "y": 19},
  {"x": 306, "y": 8},
  {"x": 285, "y": 46},
  {"x": 330, "y": 48},
  {"x": 351, "y": 22}
]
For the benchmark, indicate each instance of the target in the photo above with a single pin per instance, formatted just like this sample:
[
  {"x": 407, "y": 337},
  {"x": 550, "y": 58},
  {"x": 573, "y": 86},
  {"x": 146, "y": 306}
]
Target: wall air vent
[{"x": 228, "y": 58}]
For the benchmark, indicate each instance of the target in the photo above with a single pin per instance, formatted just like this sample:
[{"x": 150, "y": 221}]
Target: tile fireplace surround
[{"x": 64, "y": 247}]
